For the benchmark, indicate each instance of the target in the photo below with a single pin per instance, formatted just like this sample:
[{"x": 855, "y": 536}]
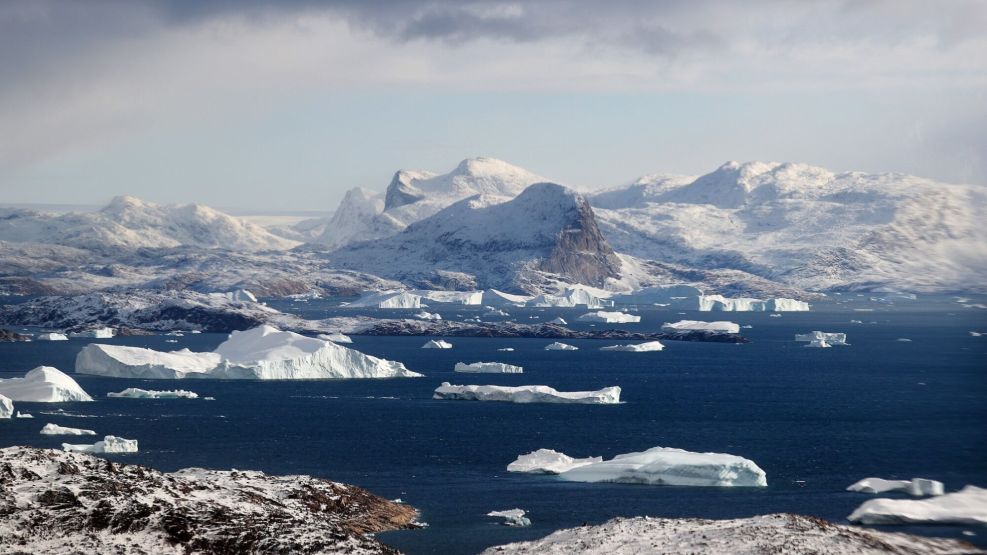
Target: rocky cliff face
[
  {"x": 57, "y": 502},
  {"x": 581, "y": 254}
]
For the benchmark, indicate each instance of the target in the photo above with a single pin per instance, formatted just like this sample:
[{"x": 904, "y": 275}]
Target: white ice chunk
[
  {"x": 526, "y": 394},
  {"x": 512, "y": 517},
  {"x": 23, "y": 415},
  {"x": 488, "y": 368},
  {"x": 97, "y": 333},
  {"x": 832, "y": 338},
  {"x": 506, "y": 349},
  {"x": 560, "y": 321},
  {"x": 6, "y": 407},
  {"x": 493, "y": 297},
  {"x": 696, "y": 325},
  {"x": 673, "y": 467},
  {"x": 56, "y": 430},
  {"x": 53, "y": 336},
  {"x": 916, "y": 486},
  {"x": 635, "y": 347},
  {"x": 560, "y": 347},
  {"x": 547, "y": 461},
  {"x": 495, "y": 313},
  {"x": 136, "y": 393},
  {"x": 109, "y": 444},
  {"x": 387, "y": 299},
  {"x": 335, "y": 337},
  {"x": 44, "y": 384},
  {"x": 967, "y": 506},
  {"x": 818, "y": 343},
  {"x": 437, "y": 344},
  {"x": 427, "y": 315},
  {"x": 609, "y": 317}
]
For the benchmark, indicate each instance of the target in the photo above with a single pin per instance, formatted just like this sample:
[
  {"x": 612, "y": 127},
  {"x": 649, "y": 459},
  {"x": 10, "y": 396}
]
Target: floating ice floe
[
  {"x": 560, "y": 347},
  {"x": 109, "y": 444},
  {"x": 6, "y": 407},
  {"x": 976, "y": 333},
  {"x": 335, "y": 337},
  {"x": 23, "y": 415},
  {"x": 609, "y": 317},
  {"x": 136, "y": 393},
  {"x": 97, "y": 333},
  {"x": 903, "y": 340},
  {"x": 696, "y": 325},
  {"x": 512, "y": 517},
  {"x": 44, "y": 384},
  {"x": 635, "y": 347},
  {"x": 506, "y": 349},
  {"x": 56, "y": 430},
  {"x": 548, "y": 461},
  {"x": 918, "y": 487},
  {"x": 437, "y": 344},
  {"x": 526, "y": 394},
  {"x": 560, "y": 321},
  {"x": 53, "y": 336},
  {"x": 775, "y": 315},
  {"x": 488, "y": 368},
  {"x": 672, "y": 467},
  {"x": 967, "y": 506},
  {"x": 830, "y": 338},
  {"x": 261, "y": 353}
]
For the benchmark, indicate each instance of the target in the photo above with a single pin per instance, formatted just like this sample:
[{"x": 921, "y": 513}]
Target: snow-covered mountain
[
  {"x": 414, "y": 195},
  {"x": 485, "y": 241},
  {"x": 128, "y": 222},
  {"x": 806, "y": 227}
]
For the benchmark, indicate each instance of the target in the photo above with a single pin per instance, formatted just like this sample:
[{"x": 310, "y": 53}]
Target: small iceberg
[
  {"x": 52, "y": 337},
  {"x": 44, "y": 384},
  {"x": 387, "y": 299},
  {"x": 526, "y": 394},
  {"x": 427, "y": 315},
  {"x": 136, "y": 393},
  {"x": 560, "y": 347},
  {"x": 109, "y": 444},
  {"x": 967, "y": 506},
  {"x": 560, "y": 321},
  {"x": 56, "y": 430},
  {"x": 23, "y": 415},
  {"x": 648, "y": 346},
  {"x": 696, "y": 325},
  {"x": 335, "y": 337},
  {"x": 672, "y": 467},
  {"x": 488, "y": 368},
  {"x": 437, "y": 344},
  {"x": 506, "y": 349},
  {"x": 605, "y": 317},
  {"x": 918, "y": 487},
  {"x": 547, "y": 461},
  {"x": 829, "y": 338},
  {"x": 97, "y": 333},
  {"x": 512, "y": 517}
]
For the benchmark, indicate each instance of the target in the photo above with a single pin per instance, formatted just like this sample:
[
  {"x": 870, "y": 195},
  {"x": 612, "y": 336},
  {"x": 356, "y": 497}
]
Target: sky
[{"x": 283, "y": 106}]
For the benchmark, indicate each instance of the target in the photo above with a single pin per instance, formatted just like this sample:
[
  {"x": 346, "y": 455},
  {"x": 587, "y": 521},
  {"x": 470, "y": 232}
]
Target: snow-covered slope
[
  {"x": 483, "y": 242},
  {"x": 128, "y": 222},
  {"x": 807, "y": 227}
]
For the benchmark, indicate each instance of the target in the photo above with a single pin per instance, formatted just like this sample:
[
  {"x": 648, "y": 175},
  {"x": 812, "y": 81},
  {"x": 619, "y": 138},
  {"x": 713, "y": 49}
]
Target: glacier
[
  {"x": 56, "y": 430},
  {"x": 609, "y": 317},
  {"x": 648, "y": 346},
  {"x": 673, "y": 467},
  {"x": 967, "y": 506},
  {"x": 548, "y": 461},
  {"x": 526, "y": 394},
  {"x": 488, "y": 368},
  {"x": 696, "y": 325},
  {"x": 261, "y": 353},
  {"x": 917, "y": 487},
  {"x": 43, "y": 384},
  {"x": 109, "y": 444}
]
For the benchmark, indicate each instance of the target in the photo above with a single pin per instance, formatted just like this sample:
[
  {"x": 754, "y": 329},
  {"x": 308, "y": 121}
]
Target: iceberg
[
  {"x": 506, "y": 349},
  {"x": 387, "y": 299},
  {"x": 609, "y": 317},
  {"x": 437, "y": 344},
  {"x": 97, "y": 333},
  {"x": 967, "y": 506},
  {"x": 821, "y": 336},
  {"x": 571, "y": 298},
  {"x": 660, "y": 294},
  {"x": 23, "y": 415},
  {"x": 52, "y": 337},
  {"x": 818, "y": 343},
  {"x": 719, "y": 303},
  {"x": 512, "y": 517},
  {"x": 635, "y": 347},
  {"x": 136, "y": 393},
  {"x": 44, "y": 384},
  {"x": 109, "y": 444},
  {"x": 526, "y": 394},
  {"x": 493, "y": 297},
  {"x": 428, "y": 315},
  {"x": 488, "y": 368},
  {"x": 560, "y": 321},
  {"x": 335, "y": 337},
  {"x": 560, "y": 347},
  {"x": 465, "y": 298},
  {"x": 672, "y": 467},
  {"x": 56, "y": 430},
  {"x": 917, "y": 487},
  {"x": 261, "y": 353},
  {"x": 547, "y": 461},
  {"x": 6, "y": 407},
  {"x": 696, "y": 325}
]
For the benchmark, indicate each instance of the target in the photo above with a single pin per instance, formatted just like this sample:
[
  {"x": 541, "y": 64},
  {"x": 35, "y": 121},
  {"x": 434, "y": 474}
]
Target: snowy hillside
[
  {"x": 128, "y": 222},
  {"x": 806, "y": 227},
  {"x": 483, "y": 242},
  {"x": 414, "y": 195}
]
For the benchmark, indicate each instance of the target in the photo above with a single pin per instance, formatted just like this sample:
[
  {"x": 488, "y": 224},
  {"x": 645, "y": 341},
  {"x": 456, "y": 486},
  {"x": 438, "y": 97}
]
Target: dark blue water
[{"x": 815, "y": 420}]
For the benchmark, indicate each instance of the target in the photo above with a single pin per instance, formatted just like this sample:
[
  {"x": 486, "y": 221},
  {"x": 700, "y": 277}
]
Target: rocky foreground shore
[{"x": 55, "y": 502}]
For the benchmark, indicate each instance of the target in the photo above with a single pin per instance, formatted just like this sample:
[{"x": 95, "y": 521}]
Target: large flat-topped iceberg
[
  {"x": 967, "y": 506},
  {"x": 488, "y": 368},
  {"x": 137, "y": 393},
  {"x": 52, "y": 336},
  {"x": 648, "y": 346},
  {"x": 829, "y": 338},
  {"x": 918, "y": 487},
  {"x": 466, "y": 298},
  {"x": 96, "y": 333},
  {"x": 109, "y": 444},
  {"x": 526, "y": 394},
  {"x": 44, "y": 384},
  {"x": 660, "y": 294},
  {"x": 56, "y": 430},
  {"x": 609, "y": 317},
  {"x": 696, "y": 325},
  {"x": 387, "y": 299},
  {"x": 672, "y": 467},
  {"x": 548, "y": 461},
  {"x": 261, "y": 353},
  {"x": 719, "y": 303},
  {"x": 571, "y": 298}
]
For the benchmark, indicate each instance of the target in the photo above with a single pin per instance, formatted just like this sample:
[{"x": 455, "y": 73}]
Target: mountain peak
[{"x": 123, "y": 202}]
